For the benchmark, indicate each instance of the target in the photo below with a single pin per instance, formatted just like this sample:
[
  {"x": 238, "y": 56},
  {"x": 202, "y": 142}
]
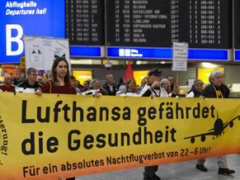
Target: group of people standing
[
  {"x": 216, "y": 89},
  {"x": 61, "y": 82}
]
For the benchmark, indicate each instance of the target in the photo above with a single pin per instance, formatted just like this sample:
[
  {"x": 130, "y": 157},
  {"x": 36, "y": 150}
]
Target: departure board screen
[
  {"x": 237, "y": 24},
  {"x": 159, "y": 23},
  {"x": 84, "y": 20}
]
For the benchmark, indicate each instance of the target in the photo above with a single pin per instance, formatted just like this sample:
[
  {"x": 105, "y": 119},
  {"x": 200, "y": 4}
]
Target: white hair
[
  {"x": 164, "y": 81},
  {"x": 214, "y": 74},
  {"x": 92, "y": 82}
]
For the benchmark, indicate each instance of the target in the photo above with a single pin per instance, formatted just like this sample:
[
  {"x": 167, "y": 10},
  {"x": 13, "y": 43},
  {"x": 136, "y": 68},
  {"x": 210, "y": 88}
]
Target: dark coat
[
  {"x": 196, "y": 93},
  {"x": 110, "y": 93},
  {"x": 26, "y": 85},
  {"x": 210, "y": 92}
]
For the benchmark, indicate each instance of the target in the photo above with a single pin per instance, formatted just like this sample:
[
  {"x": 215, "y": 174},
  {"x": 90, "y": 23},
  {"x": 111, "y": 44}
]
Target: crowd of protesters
[{"x": 61, "y": 82}]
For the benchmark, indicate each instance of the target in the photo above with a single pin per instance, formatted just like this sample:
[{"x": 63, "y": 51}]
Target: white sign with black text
[{"x": 180, "y": 56}]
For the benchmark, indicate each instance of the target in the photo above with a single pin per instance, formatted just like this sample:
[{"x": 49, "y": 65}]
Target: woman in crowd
[
  {"x": 216, "y": 89},
  {"x": 60, "y": 79},
  {"x": 60, "y": 82},
  {"x": 195, "y": 92},
  {"x": 143, "y": 83},
  {"x": 174, "y": 86},
  {"x": 164, "y": 88}
]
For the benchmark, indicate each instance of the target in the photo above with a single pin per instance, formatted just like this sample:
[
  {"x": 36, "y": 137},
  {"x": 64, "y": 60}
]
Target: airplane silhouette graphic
[{"x": 216, "y": 131}]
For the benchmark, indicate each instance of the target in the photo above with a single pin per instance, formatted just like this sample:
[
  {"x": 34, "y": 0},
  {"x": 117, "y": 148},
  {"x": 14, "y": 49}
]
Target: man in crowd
[
  {"x": 95, "y": 89},
  {"x": 152, "y": 89},
  {"x": 153, "y": 86},
  {"x": 110, "y": 85},
  {"x": 30, "y": 84}
]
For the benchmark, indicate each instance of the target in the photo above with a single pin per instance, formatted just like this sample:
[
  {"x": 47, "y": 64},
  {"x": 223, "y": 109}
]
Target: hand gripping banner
[{"x": 58, "y": 136}]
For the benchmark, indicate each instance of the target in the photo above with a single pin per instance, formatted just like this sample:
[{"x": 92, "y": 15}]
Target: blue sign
[
  {"x": 45, "y": 18},
  {"x": 166, "y": 53},
  {"x": 208, "y": 54},
  {"x": 237, "y": 55},
  {"x": 85, "y": 51}
]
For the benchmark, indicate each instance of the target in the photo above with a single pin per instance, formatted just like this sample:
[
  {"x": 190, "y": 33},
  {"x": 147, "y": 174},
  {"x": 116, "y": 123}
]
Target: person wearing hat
[
  {"x": 151, "y": 90},
  {"x": 216, "y": 89},
  {"x": 30, "y": 83},
  {"x": 153, "y": 86}
]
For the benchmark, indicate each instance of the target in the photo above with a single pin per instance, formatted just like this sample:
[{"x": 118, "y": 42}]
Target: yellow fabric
[{"x": 58, "y": 136}]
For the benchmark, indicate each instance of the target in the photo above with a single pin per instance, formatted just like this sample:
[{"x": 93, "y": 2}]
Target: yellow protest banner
[{"x": 59, "y": 136}]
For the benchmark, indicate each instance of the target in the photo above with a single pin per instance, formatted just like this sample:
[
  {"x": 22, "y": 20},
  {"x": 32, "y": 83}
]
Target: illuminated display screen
[{"x": 45, "y": 18}]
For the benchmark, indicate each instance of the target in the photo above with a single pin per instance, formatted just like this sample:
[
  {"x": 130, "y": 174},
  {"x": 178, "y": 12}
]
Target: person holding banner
[
  {"x": 60, "y": 82},
  {"x": 30, "y": 85},
  {"x": 110, "y": 85},
  {"x": 96, "y": 89},
  {"x": 164, "y": 87},
  {"x": 131, "y": 88},
  {"x": 195, "y": 92},
  {"x": 151, "y": 90},
  {"x": 216, "y": 89}
]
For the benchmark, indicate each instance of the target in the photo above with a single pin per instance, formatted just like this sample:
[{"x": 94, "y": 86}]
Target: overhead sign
[
  {"x": 132, "y": 52},
  {"x": 29, "y": 17},
  {"x": 237, "y": 55},
  {"x": 86, "y": 51},
  {"x": 236, "y": 39},
  {"x": 166, "y": 53}
]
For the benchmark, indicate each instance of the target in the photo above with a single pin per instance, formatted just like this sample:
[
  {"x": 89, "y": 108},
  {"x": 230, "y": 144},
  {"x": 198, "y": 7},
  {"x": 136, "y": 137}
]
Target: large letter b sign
[{"x": 16, "y": 39}]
